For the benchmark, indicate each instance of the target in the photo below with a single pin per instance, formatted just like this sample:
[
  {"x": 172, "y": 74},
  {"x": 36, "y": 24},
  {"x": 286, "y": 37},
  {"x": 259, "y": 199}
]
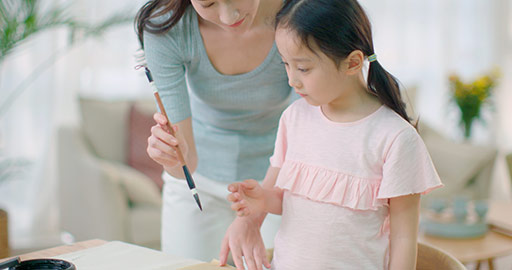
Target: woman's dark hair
[
  {"x": 156, "y": 8},
  {"x": 339, "y": 27}
]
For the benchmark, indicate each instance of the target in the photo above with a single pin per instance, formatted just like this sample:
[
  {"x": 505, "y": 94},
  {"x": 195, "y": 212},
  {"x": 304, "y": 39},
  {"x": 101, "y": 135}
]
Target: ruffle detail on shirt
[{"x": 329, "y": 186}]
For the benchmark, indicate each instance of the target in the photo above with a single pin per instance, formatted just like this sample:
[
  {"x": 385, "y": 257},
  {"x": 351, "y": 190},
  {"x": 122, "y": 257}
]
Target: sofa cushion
[
  {"x": 104, "y": 124},
  {"x": 139, "y": 129},
  {"x": 456, "y": 163}
]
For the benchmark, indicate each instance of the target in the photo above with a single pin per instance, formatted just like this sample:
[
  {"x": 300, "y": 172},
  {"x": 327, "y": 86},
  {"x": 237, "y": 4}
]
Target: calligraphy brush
[{"x": 190, "y": 181}]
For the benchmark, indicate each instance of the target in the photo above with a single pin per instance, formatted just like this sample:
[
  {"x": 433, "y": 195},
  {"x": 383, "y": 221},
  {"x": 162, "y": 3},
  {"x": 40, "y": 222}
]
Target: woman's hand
[
  {"x": 243, "y": 239},
  {"x": 247, "y": 198},
  {"x": 162, "y": 145}
]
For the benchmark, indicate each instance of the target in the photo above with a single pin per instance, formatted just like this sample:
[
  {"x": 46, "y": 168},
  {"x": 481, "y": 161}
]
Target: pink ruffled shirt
[{"x": 337, "y": 179}]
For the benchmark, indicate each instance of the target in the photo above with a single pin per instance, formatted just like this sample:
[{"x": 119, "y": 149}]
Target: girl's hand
[
  {"x": 243, "y": 239},
  {"x": 162, "y": 145},
  {"x": 247, "y": 197}
]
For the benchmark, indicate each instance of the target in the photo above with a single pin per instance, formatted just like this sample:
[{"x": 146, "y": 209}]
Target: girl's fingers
[
  {"x": 233, "y": 187},
  {"x": 250, "y": 184},
  {"x": 234, "y": 197},
  {"x": 238, "y": 206}
]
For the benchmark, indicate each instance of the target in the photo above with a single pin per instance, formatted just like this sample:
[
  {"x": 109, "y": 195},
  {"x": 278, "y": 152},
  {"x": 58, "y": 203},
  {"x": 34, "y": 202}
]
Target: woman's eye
[
  {"x": 207, "y": 6},
  {"x": 303, "y": 69}
]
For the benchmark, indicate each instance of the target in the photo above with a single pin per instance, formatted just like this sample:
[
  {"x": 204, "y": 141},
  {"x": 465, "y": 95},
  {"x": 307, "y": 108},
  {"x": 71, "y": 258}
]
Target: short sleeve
[
  {"x": 164, "y": 57},
  {"x": 408, "y": 168},
  {"x": 277, "y": 159}
]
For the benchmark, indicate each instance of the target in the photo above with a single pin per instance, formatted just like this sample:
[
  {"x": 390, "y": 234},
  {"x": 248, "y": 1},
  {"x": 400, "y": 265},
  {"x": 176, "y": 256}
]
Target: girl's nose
[
  {"x": 294, "y": 83},
  {"x": 229, "y": 15}
]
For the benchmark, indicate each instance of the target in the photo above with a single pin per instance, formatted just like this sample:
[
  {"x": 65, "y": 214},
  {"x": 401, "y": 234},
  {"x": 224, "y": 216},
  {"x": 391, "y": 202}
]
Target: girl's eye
[
  {"x": 303, "y": 70},
  {"x": 207, "y": 6},
  {"x": 284, "y": 63}
]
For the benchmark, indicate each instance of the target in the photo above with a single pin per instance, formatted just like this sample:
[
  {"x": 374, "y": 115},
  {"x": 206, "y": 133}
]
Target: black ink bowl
[{"x": 39, "y": 264}]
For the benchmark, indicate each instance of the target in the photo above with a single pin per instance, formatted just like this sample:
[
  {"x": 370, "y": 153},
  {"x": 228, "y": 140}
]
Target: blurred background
[{"x": 49, "y": 80}]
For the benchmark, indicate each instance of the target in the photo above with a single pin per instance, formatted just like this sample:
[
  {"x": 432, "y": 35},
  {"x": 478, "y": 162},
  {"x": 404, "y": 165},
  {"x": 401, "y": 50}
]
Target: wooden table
[
  {"x": 477, "y": 250},
  {"x": 51, "y": 252},
  {"x": 482, "y": 249},
  {"x": 100, "y": 254}
]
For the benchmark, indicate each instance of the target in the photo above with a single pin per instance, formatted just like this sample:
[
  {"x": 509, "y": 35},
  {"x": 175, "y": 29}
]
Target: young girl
[{"x": 348, "y": 166}]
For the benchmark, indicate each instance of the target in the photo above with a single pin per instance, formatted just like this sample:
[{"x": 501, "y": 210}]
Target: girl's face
[
  {"x": 231, "y": 15},
  {"x": 314, "y": 76}
]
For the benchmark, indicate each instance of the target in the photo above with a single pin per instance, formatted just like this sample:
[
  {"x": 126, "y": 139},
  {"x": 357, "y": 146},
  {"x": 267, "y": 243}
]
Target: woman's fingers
[
  {"x": 160, "y": 118},
  {"x": 164, "y": 136},
  {"x": 258, "y": 259},
  {"x": 224, "y": 250},
  {"x": 237, "y": 258},
  {"x": 249, "y": 258}
]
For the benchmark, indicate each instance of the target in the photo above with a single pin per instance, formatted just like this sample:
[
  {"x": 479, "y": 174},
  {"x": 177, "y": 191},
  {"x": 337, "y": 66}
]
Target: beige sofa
[
  {"x": 100, "y": 196},
  {"x": 464, "y": 168}
]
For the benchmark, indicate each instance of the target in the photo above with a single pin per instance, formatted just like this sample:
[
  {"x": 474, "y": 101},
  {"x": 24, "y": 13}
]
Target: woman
[{"x": 224, "y": 88}]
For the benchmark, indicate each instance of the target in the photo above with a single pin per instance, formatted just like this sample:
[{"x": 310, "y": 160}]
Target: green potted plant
[
  {"x": 22, "y": 19},
  {"x": 19, "y": 21},
  {"x": 471, "y": 96}
]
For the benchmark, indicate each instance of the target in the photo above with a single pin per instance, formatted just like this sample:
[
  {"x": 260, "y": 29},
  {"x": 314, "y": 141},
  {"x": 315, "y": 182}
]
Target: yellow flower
[
  {"x": 453, "y": 78},
  {"x": 482, "y": 82}
]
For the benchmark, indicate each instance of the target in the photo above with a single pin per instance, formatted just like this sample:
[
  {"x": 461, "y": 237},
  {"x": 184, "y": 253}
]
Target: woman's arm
[
  {"x": 243, "y": 237},
  {"x": 404, "y": 219},
  {"x": 162, "y": 145}
]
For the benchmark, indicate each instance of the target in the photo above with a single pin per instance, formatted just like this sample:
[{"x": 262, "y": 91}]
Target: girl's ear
[{"x": 355, "y": 62}]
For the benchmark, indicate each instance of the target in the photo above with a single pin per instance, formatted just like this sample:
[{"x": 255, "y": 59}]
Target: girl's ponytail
[
  {"x": 155, "y": 8},
  {"x": 386, "y": 87}
]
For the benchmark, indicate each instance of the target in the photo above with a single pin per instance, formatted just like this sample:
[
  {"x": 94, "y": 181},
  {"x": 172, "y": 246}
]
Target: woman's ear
[{"x": 355, "y": 62}]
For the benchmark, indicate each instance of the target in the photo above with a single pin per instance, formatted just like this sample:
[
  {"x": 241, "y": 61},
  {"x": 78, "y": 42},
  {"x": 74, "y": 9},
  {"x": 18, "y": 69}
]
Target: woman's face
[{"x": 231, "y": 15}]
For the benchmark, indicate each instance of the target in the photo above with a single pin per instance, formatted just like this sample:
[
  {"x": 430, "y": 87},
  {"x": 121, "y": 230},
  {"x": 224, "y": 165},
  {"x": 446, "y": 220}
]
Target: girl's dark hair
[
  {"x": 156, "y": 8},
  {"x": 339, "y": 27}
]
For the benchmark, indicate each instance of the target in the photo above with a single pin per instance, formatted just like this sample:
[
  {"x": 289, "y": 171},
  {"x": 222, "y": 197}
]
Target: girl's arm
[
  {"x": 161, "y": 145},
  {"x": 404, "y": 219},
  {"x": 249, "y": 197}
]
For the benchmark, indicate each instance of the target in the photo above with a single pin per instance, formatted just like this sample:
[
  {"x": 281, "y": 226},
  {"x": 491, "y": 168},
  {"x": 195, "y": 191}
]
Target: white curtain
[
  {"x": 101, "y": 67},
  {"x": 419, "y": 41}
]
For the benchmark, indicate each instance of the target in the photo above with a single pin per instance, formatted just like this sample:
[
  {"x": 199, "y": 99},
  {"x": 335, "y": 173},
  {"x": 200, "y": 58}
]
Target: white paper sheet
[{"x": 120, "y": 255}]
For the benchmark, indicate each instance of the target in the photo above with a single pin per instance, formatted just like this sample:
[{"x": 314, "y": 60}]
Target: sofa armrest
[
  {"x": 90, "y": 205},
  {"x": 139, "y": 189}
]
